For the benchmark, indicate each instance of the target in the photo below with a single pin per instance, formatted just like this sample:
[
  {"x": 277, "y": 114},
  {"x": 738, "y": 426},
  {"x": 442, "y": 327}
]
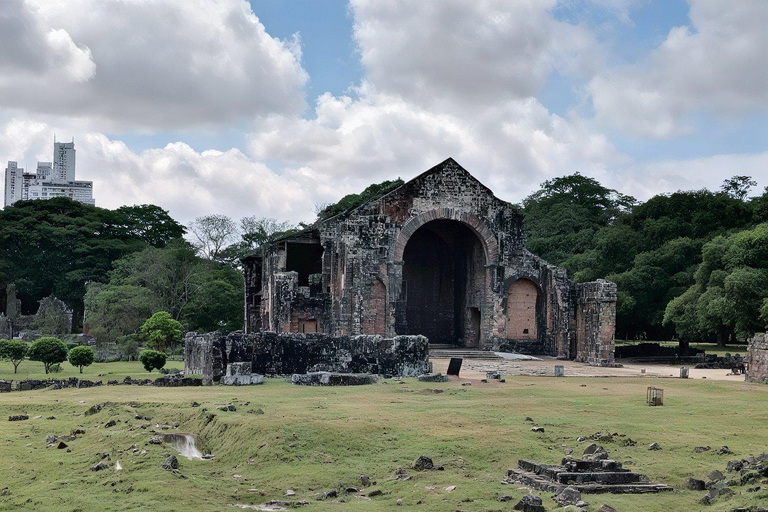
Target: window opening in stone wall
[{"x": 305, "y": 259}]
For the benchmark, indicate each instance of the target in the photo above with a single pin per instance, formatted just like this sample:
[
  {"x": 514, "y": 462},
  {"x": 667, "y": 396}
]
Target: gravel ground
[{"x": 474, "y": 369}]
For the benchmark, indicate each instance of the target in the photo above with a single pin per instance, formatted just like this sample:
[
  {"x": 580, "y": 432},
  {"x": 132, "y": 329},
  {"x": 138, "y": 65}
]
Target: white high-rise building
[{"x": 51, "y": 179}]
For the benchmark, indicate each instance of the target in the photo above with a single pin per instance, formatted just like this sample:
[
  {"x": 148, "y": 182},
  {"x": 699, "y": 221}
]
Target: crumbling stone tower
[{"x": 439, "y": 256}]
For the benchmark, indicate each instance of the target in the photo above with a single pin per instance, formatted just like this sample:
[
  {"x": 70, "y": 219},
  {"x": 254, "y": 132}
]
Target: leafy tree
[
  {"x": 13, "y": 350},
  {"x": 563, "y": 217},
  {"x": 114, "y": 311},
  {"x": 161, "y": 332},
  {"x": 213, "y": 234},
  {"x": 149, "y": 223},
  {"x": 52, "y": 317},
  {"x": 55, "y": 247},
  {"x": 730, "y": 290},
  {"x": 152, "y": 359},
  {"x": 49, "y": 351},
  {"x": 81, "y": 356},
  {"x": 254, "y": 233},
  {"x": 203, "y": 295},
  {"x": 217, "y": 303},
  {"x": 738, "y": 186}
]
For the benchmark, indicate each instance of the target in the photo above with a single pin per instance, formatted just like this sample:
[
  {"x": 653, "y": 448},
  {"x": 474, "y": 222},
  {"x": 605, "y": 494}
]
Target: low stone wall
[
  {"x": 177, "y": 380},
  {"x": 35, "y": 384},
  {"x": 288, "y": 353},
  {"x": 757, "y": 367}
]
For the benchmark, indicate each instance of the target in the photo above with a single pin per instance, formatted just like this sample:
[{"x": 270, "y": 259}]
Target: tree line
[{"x": 691, "y": 264}]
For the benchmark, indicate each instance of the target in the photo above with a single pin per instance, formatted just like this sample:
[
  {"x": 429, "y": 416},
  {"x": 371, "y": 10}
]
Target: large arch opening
[{"x": 443, "y": 284}]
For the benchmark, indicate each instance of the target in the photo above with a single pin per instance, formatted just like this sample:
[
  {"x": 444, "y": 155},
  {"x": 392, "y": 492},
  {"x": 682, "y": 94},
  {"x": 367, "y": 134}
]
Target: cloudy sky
[{"x": 268, "y": 107}]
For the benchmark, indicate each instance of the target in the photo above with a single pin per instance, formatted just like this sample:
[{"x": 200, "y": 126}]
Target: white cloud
[
  {"x": 471, "y": 53},
  {"x": 145, "y": 64},
  {"x": 644, "y": 180},
  {"x": 717, "y": 64},
  {"x": 186, "y": 182},
  {"x": 31, "y": 50},
  {"x": 354, "y": 142},
  {"x": 447, "y": 79}
]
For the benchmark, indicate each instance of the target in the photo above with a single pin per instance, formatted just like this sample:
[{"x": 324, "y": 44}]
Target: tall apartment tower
[
  {"x": 64, "y": 161},
  {"x": 51, "y": 179}
]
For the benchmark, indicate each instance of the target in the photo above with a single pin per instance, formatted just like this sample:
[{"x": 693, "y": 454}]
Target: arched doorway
[
  {"x": 522, "y": 322},
  {"x": 443, "y": 284}
]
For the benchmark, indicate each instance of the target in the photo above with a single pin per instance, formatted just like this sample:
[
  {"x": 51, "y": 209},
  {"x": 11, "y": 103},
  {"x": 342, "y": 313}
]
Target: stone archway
[{"x": 443, "y": 278}]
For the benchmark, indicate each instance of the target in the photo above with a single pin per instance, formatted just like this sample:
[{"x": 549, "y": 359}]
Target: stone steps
[
  {"x": 447, "y": 351},
  {"x": 544, "y": 484}
]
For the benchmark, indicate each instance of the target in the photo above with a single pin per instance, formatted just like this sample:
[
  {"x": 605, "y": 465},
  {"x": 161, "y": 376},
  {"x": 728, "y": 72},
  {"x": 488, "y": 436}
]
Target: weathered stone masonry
[
  {"x": 271, "y": 353},
  {"x": 757, "y": 360},
  {"x": 440, "y": 256}
]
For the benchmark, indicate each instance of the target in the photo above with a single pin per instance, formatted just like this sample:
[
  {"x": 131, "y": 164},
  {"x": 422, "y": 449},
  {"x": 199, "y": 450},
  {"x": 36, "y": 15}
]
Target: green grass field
[
  {"x": 109, "y": 371},
  {"x": 313, "y": 440}
]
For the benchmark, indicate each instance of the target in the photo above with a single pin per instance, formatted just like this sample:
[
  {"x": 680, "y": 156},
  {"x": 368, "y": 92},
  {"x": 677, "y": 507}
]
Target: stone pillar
[
  {"x": 284, "y": 289},
  {"x": 596, "y": 322},
  {"x": 757, "y": 359}
]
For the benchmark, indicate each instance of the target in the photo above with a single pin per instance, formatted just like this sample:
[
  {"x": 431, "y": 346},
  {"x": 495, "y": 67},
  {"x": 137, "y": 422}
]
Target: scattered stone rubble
[
  {"x": 175, "y": 380},
  {"x": 595, "y": 472},
  {"x": 739, "y": 472}
]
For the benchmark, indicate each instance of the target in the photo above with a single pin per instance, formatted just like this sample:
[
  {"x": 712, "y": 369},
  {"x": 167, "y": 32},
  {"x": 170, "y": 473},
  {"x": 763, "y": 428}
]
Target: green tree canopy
[
  {"x": 563, "y": 217},
  {"x": 49, "y": 351},
  {"x": 201, "y": 294},
  {"x": 55, "y": 247},
  {"x": 81, "y": 356},
  {"x": 13, "y": 350},
  {"x": 152, "y": 359},
  {"x": 730, "y": 291},
  {"x": 161, "y": 332}
]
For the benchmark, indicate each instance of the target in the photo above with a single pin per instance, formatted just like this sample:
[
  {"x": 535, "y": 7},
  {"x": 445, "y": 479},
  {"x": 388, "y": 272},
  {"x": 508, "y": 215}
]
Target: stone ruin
[
  {"x": 439, "y": 256},
  {"x": 52, "y": 317},
  {"x": 593, "y": 473},
  {"x": 757, "y": 359},
  {"x": 212, "y": 355},
  {"x": 239, "y": 374}
]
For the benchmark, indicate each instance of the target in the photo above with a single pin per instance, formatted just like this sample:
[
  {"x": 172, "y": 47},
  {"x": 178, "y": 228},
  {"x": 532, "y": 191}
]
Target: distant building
[{"x": 51, "y": 179}]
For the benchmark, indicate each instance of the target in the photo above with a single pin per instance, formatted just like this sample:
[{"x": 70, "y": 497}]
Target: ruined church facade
[{"x": 439, "y": 256}]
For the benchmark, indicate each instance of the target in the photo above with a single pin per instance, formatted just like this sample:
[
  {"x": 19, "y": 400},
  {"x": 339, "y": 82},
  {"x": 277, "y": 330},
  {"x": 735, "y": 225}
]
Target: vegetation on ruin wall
[
  {"x": 652, "y": 250},
  {"x": 351, "y": 201},
  {"x": 313, "y": 440}
]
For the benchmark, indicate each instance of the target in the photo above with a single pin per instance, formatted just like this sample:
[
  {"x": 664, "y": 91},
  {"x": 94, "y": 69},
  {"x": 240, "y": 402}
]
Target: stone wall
[
  {"x": 757, "y": 369},
  {"x": 283, "y": 354}
]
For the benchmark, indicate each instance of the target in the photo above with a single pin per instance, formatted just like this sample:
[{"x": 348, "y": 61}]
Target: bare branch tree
[{"x": 213, "y": 234}]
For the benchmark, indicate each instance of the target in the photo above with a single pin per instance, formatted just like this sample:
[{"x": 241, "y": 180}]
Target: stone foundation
[
  {"x": 239, "y": 374},
  {"x": 757, "y": 360},
  {"x": 294, "y": 353},
  {"x": 332, "y": 379}
]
